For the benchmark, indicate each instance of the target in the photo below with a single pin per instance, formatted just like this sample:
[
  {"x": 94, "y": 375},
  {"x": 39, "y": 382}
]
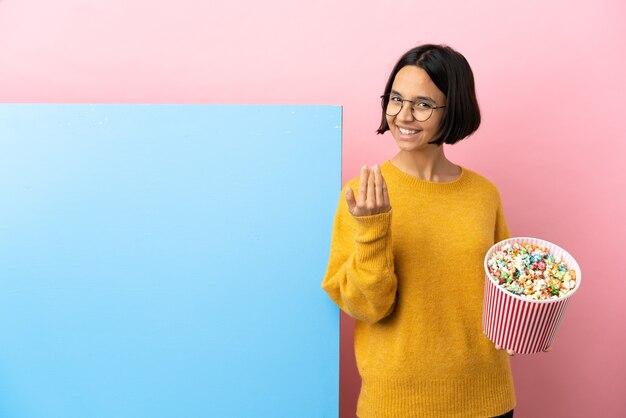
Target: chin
[{"x": 410, "y": 146}]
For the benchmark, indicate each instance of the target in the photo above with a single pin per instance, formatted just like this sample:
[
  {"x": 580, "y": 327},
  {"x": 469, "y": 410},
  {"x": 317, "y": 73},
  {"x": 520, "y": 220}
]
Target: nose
[{"x": 405, "y": 113}]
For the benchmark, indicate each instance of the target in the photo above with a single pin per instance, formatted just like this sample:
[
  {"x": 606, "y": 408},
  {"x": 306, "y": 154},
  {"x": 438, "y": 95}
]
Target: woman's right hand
[{"x": 373, "y": 197}]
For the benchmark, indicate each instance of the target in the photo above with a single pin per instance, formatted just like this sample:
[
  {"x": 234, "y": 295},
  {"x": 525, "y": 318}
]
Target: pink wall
[{"x": 550, "y": 80}]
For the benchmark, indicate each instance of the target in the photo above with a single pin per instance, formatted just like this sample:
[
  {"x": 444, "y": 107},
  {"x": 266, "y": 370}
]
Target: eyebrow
[{"x": 416, "y": 97}]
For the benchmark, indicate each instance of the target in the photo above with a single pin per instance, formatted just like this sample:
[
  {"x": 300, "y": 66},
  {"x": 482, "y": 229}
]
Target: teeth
[{"x": 407, "y": 132}]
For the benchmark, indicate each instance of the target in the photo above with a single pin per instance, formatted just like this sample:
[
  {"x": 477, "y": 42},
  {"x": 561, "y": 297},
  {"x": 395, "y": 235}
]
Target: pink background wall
[{"x": 550, "y": 81}]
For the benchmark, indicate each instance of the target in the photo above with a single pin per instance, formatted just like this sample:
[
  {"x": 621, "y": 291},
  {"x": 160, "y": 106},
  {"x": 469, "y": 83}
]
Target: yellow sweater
[{"x": 413, "y": 279}]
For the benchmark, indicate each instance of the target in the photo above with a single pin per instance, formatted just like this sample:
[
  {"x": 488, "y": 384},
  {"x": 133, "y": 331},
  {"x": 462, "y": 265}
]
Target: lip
[{"x": 403, "y": 136}]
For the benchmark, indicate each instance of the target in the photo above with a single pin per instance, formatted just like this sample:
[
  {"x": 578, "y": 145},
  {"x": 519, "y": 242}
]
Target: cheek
[{"x": 434, "y": 124}]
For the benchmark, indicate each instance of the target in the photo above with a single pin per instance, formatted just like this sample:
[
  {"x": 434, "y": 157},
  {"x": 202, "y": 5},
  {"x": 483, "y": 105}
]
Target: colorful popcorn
[{"x": 530, "y": 271}]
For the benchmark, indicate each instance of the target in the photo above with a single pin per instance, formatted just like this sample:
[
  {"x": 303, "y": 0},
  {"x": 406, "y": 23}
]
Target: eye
[
  {"x": 395, "y": 99},
  {"x": 423, "y": 105}
]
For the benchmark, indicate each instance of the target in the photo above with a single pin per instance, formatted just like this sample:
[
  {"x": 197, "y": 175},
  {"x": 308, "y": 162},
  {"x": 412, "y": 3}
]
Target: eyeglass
[{"x": 420, "y": 109}]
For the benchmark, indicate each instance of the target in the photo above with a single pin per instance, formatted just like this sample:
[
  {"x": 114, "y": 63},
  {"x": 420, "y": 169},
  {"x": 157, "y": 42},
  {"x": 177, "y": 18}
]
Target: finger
[
  {"x": 380, "y": 200},
  {"x": 547, "y": 350},
  {"x": 385, "y": 192},
  {"x": 360, "y": 199},
  {"x": 511, "y": 352},
  {"x": 498, "y": 347},
  {"x": 371, "y": 191},
  {"x": 350, "y": 199}
]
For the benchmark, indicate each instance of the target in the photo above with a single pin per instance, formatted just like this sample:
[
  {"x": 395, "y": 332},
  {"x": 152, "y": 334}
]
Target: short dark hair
[{"x": 452, "y": 74}]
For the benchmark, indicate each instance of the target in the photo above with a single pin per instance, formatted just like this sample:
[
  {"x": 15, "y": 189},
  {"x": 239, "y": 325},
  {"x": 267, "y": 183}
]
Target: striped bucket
[{"x": 522, "y": 325}]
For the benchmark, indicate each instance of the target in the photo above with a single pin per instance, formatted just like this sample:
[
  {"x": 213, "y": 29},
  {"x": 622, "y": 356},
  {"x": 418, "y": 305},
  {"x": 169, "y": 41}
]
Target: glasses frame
[{"x": 413, "y": 102}]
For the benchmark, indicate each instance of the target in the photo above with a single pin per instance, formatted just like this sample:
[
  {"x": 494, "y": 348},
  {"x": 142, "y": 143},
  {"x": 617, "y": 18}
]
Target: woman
[{"x": 407, "y": 250}]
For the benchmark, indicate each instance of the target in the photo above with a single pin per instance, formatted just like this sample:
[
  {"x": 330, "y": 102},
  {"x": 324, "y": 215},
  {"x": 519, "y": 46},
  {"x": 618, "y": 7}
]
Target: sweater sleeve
[
  {"x": 501, "y": 230},
  {"x": 360, "y": 277}
]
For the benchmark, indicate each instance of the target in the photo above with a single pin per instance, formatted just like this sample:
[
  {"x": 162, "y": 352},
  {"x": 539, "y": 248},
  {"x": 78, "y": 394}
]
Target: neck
[{"x": 428, "y": 164}]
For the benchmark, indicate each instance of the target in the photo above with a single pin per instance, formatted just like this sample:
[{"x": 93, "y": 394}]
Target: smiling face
[{"x": 413, "y": 83}]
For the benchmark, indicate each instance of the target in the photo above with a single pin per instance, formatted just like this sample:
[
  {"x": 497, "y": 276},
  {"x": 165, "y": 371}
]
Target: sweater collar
[{"x": 416, "y": 182}]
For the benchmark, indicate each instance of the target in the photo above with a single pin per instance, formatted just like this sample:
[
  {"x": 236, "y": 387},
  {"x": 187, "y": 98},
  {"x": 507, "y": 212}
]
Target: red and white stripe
[{"x": 522, "y": 326}]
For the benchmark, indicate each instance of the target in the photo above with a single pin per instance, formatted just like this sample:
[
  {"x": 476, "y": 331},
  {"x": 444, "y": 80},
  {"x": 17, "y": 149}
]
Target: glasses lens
[
  {"x": 393, "y": 107},
  {"x": 422, "y": 114}
]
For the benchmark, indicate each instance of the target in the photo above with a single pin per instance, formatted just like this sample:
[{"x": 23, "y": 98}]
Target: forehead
[{"x": 412, "y": 81}]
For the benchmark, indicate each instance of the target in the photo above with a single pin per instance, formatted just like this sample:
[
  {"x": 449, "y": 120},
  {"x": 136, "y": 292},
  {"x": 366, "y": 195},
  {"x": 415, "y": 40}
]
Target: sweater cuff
[
  {"x": 372, "y": 227},
  {"x": 373, "y": 240}
]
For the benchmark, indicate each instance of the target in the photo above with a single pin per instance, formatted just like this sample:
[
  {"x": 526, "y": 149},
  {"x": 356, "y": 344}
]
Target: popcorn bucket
[{"x": 519, "y": 324}]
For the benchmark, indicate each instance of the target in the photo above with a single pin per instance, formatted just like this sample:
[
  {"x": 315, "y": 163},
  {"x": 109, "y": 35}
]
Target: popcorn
[{"x": 530, "y": 271}]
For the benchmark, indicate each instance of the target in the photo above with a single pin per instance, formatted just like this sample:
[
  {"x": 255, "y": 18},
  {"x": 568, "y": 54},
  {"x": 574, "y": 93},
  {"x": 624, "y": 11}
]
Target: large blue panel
[{"x": 166, "y": 261}]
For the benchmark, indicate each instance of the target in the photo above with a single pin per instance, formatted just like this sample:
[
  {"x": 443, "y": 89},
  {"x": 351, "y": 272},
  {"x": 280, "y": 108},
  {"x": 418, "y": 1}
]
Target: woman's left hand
[{"x": 512, "y": 353}]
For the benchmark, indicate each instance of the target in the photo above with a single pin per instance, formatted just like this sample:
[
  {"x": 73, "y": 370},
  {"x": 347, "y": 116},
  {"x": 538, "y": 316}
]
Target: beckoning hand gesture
[{"x": 373, "y": 197}]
